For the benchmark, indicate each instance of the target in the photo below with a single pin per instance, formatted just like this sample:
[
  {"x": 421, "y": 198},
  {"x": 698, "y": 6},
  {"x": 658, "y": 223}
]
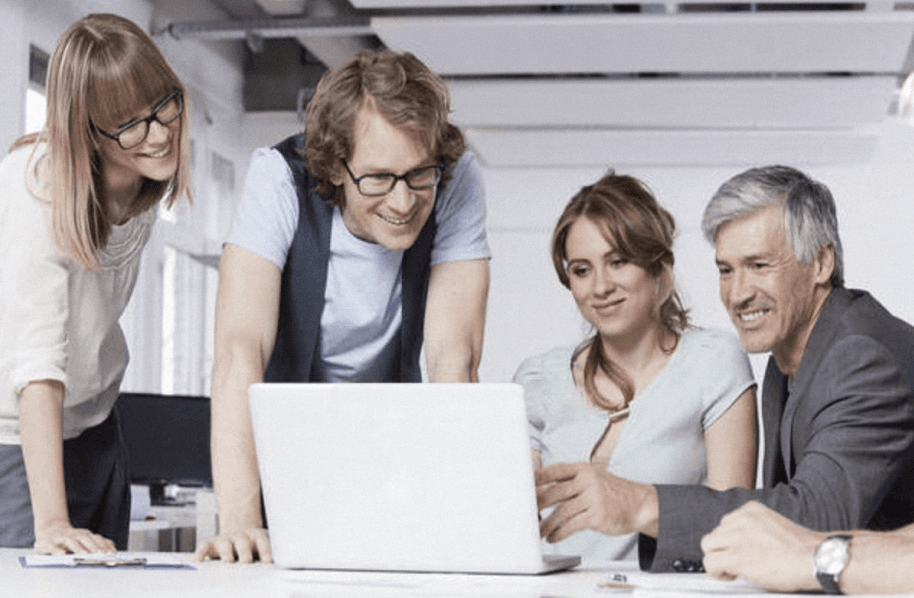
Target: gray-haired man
[{"x": 838, "y": 396}]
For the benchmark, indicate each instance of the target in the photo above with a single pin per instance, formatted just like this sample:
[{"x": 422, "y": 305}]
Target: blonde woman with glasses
[{"x": 77, "y": 203}]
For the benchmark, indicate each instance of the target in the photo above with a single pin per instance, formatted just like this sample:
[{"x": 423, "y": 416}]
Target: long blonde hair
[{"x": 105, "y": 69}]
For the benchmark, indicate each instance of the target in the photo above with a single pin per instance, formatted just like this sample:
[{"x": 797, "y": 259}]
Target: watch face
[{"x": 831, "y": 556}]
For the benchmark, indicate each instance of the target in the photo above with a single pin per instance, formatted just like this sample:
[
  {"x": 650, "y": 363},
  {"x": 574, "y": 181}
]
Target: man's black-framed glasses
[
  {"x": 382, "y": 183},
  {"x": 131, "y": 134}
]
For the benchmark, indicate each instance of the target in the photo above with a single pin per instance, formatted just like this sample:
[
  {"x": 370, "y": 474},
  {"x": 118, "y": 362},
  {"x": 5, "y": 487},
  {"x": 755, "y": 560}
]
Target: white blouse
[{"x": 59, "y": 321}]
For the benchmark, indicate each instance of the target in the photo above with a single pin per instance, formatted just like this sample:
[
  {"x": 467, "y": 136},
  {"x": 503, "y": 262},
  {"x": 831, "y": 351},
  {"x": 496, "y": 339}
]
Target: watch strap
[{"x": 829, "y": 582}]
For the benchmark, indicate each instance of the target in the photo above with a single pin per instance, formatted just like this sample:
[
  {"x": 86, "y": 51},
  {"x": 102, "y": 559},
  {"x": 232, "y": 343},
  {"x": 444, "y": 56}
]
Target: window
[
  {"x": 188, "y": 308},
  {"x": 35, "y": 93}
]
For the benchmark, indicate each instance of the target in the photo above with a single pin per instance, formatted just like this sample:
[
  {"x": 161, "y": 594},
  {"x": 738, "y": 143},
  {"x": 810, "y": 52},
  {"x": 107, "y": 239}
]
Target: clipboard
[{"x": 121, "y": 560}]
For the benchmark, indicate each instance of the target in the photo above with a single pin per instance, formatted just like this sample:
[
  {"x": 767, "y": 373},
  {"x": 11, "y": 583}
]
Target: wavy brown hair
[
  {"x": 105, "y": 70},
  {"x": 401, "y": 88},
  {"x": 642, "y": 233}
]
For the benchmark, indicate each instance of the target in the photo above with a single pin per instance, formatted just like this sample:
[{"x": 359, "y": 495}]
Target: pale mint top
[{"x": 662, "y": 440}]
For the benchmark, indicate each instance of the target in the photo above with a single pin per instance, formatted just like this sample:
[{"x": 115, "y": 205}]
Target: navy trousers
[{"x": 97, "y": 484}]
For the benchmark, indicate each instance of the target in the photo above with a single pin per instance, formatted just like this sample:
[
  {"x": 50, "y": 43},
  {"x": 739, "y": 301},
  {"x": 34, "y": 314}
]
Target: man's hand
[
  {"x": 591, "y": 498},
  {"x": 246, "y": 546},
  {"x": 761, "y": 546},
  {"x": 63, "y": 538}
]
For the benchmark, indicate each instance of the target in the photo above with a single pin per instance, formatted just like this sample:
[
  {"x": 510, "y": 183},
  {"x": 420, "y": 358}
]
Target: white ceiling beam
[
  {"x": 681, "y": 43},
  {"x": 607, "y": 148},
  {"x": 282, "y": 7},
  {"x": 826, "y": 102}
]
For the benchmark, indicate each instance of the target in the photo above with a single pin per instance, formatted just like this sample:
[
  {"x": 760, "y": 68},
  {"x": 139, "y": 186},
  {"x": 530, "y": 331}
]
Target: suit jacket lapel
[
  {"x": 774, "y": 393},
  {"x": 794, "y": 394},
  {"x": 800, "y": 387}
]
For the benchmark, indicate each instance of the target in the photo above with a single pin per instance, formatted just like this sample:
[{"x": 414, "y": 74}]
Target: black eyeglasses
[
  {"x": 131, "y": 134},
  {"x": 382, "y": 183}
]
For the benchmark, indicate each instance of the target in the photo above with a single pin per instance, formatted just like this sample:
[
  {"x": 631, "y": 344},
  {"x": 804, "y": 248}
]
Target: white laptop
[{"x": 399, "y": 477}]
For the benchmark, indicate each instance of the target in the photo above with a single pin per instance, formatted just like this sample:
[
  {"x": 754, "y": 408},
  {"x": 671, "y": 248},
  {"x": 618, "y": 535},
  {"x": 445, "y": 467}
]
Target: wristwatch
[{"x": 831, "y": 558}]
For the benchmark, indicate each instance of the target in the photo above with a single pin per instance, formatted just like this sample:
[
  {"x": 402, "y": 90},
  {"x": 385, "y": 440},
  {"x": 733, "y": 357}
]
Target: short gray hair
[{"x": 810, "y": 218}]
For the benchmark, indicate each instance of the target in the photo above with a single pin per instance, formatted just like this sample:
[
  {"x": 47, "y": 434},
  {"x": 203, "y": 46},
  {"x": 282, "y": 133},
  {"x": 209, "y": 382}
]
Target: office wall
[
  {"x": 40, "y": 22},
  {"x": 14, "y": 55}
]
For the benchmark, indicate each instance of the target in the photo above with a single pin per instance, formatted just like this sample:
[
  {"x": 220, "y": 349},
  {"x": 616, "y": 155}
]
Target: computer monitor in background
[{"x": 167, "y": 438}]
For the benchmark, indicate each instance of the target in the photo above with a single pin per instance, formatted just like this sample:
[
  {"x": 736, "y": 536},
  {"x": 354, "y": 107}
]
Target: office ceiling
[{"x": 657, "y": 84}]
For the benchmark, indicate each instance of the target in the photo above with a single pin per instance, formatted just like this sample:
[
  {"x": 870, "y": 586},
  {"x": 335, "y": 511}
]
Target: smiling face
[
  {"x": 618, "y": 297},
  {"x": 393, "y": 220},
  {"x": 772, "y": 299},
  {"x": 155, "y": 158}
]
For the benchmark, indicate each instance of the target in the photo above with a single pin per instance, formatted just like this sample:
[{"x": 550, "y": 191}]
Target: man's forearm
[
  {"x": 235, "y": 475},
  {"x": 453, "y": 366},
  {"x": 880, "y": 563},
  {"x": 455, "y": 320},
  {"x": 237, "y": 486}
]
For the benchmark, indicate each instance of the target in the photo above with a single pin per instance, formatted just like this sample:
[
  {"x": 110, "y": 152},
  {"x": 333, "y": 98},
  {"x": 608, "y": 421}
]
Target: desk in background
[{"x": 175, "y": 527}]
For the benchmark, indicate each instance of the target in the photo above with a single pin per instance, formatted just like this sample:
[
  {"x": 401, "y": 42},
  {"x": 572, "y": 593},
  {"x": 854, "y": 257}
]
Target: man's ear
[{"x": 824, "y": 264}]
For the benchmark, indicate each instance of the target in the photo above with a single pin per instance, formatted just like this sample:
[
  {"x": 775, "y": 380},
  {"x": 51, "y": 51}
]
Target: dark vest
[{"x": 304, "y": 282}]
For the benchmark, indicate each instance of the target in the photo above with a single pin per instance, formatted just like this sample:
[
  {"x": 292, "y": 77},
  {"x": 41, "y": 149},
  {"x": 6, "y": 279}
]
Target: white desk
[{"x": 215, "y": 579}]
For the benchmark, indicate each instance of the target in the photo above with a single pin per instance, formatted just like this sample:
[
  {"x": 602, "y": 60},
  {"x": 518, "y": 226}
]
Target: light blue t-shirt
[
  {"x": 662, "y": 440},
  {"x": 362, "y": 314}
]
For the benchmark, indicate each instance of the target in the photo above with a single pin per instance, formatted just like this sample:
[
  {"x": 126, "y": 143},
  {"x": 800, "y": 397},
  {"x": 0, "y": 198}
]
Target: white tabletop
[{"x": 215, "y": 579}]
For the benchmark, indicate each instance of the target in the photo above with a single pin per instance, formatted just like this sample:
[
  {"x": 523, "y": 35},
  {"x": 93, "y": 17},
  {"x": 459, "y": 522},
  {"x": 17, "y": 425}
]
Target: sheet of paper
[{"x": 643, "y": 584}]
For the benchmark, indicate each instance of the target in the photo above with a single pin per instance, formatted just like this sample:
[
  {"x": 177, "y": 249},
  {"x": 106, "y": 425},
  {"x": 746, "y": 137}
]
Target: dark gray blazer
[{"x": 839, "y": 438}]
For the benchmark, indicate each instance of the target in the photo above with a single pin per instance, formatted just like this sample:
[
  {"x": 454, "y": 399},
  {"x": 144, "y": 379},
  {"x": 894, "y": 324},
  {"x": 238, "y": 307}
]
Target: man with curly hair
[{"x": 357, "y": 244}]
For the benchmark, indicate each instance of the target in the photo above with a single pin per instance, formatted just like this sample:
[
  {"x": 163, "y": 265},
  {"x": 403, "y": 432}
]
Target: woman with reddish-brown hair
[{"x": 647, "y": 397}]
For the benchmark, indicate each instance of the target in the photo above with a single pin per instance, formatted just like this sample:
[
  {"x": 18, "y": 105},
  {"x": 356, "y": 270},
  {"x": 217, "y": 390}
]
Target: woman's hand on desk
[
  {"x": 245, "y": 546},
  {"x": 64, "y": 538}
]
